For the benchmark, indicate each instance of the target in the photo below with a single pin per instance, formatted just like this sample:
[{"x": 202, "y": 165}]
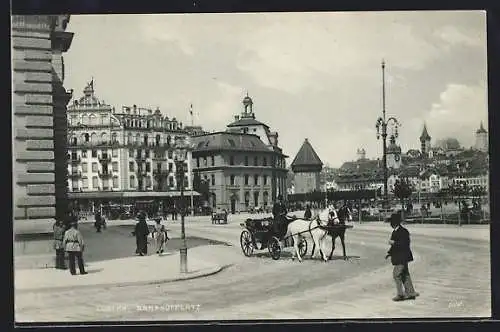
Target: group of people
[
  {"x": 141, "y": 232},
  {"x": 68, "y": 239}
]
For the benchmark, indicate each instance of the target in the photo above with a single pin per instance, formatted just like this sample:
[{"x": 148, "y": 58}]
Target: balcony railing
[
  {"x": 73, "y": 175},
  {"x": 105, "y": 174},
  {"x": 105, "y": 158}
]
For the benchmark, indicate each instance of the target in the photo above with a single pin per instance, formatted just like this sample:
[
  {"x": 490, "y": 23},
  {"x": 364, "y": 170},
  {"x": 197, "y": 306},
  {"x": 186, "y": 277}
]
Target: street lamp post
[
  {"x": 181, "y": 150},
  {"x": 381, "y": 126}
]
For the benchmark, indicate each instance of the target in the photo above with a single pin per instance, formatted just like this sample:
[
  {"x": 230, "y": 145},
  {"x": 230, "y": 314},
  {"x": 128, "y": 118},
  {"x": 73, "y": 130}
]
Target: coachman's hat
[{"x": 395, "y": 219}]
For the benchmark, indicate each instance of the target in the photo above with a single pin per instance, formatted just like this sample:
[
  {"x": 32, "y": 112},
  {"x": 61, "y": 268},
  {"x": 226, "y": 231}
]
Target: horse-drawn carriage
[{"x": 259, "y": 234}]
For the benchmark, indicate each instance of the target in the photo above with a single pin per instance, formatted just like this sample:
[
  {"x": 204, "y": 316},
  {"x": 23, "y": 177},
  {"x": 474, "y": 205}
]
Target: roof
[
  {"x": 246, "y": 122},
  {"x": 307, "y": 156},
  {"x": 481, "y": 129},
  {"x": 425, "y": 135},
  {"x": 230, "y": 141}
]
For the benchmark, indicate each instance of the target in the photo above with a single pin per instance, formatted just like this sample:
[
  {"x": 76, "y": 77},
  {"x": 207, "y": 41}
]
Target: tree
[
  {"x": 402, "y": 190},
  {"x": 459, "y": 190}
]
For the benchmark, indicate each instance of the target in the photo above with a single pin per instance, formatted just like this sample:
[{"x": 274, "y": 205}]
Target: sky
[{"x": 310, "y": 75}]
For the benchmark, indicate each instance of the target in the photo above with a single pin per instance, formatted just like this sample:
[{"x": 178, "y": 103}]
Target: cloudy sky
[{"x": 314, "y": 75}]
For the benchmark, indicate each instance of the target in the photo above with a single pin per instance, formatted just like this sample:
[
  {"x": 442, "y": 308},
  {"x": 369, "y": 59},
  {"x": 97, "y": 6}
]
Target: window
[
  {"x": 198, "y": 162},
  {"x": 85, "y": 182},
  {"x": 265, "y": 180},
  {"x": 205, "y": 161},
  {"x": 94, "y": 153},
  {"x": 74, "y": 169},
  {"x": 246, "y": 179},
  {"x": 148, "y": 153},
  {"x": 115, "y": 182},
  {"x": 84, "y": 154},
  {"x": 246, "y": 160},
  {"x": 94, "y": 168},
  {"x": 87, "y": 137},
  {"x": 95, "y": 182},
  {"x": 186, "y": 182},
  {"x": 170, "y": 167},
  {"x": 73, "y": 155},
  {"x": 264, "y": 162},
  {"x": 84, "y": 168},
  {"x": 213, "y": 180},
  {"x": 74, "y": 185},
  {"x": 170, "y": 154},
  {"x": 170, "y": 181},
  {"x": 148, "y": 167},
  {"x": 114, "y": 153},
  {"x": 148, "y": 181},
  {"x": 231, "y": 160},
  {"x": 131, "y": 153},
  {"x": 256, "y": 161},
  {"x": 131, "y": 166},
  {"x": 132, "y": 181},
  {"x": 231, "y": 142},
  {"x": 256, "y": 180},
  {"x": 256, "y": 198},
  {"x": 213, "y": 161},
  {"x": 231, "y": 178},
  {"x": 114, "y": 166}
]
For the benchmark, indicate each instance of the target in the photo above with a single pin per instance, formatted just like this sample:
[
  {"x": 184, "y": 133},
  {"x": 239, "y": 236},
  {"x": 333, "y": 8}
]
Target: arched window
[
  {"x": 137, "y": 139},
  {"x": 169, "y": 139},
  {"x": 247, "y": 199},
  {"x": 87, "y": 137},
  {"x": 265, "y": 198},
  {"x": 104, "y": 138},
  {"x": 130, "y": 139},
  {"x": 158, "y": 139},
  {"x": 93, "y": 138},
  {"x": 146, "y": 140},
  {"x": 75, "y": 140},
  {"x": 214, "y": 200},
  {"x": 85, "y": 119},
  {"x": 114, "y": 138},
  {"x": 132, "y": 181},
  {"x": 93, "y": 119}
]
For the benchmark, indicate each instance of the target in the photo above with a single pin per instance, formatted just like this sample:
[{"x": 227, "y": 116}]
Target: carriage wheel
[
  {"x": 246, "y": 242},
  {"x": 302, "y": 246},
  {"x": 274, "y": 247}
]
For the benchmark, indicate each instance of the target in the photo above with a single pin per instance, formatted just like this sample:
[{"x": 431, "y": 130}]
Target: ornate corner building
[
  {"x": 117, "y": 157},
  {"x": 39, "y": 121}
]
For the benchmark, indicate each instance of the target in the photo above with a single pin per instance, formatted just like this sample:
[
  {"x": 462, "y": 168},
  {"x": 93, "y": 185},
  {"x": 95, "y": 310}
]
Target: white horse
[{"x": 298, "y": 228}]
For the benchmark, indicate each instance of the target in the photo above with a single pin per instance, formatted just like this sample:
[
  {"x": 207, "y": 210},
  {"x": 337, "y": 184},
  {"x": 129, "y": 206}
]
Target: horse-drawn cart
[{"x": 259, "y": 234}]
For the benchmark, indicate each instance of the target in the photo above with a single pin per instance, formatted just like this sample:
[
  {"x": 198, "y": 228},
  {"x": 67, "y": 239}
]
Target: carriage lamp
[{"x": 182, "y": 147}]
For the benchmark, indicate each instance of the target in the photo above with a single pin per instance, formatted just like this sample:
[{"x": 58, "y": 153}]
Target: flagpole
[{"x": 192, "y": 177}]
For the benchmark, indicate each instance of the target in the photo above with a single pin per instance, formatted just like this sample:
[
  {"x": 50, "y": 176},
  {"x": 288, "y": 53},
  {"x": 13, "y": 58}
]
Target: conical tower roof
[
  {"x": 481, "y": 129},
  {"x": 306, "y": 159},
  {"x": 425, "y": 135}
]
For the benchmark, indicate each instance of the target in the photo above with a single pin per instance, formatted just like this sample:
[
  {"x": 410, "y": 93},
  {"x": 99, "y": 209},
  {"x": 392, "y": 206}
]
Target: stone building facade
[
  {"x": 39, "y": 121},
  {"x": 119, "y": 155},
  {"x": 243, "y": 165}
]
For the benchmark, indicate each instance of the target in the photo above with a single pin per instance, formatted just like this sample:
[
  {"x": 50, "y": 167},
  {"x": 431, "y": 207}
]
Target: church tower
[
  {"x": 306, "y": 167},
  {"x": 425, "y": 142},
  {"x": 393, "y": 154},
  {"x": 481, "y": 139},
  {"x": 361, "y": 153}
]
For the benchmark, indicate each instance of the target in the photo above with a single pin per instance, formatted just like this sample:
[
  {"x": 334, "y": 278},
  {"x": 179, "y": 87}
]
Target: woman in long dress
[{"x": 141, "y": 236}]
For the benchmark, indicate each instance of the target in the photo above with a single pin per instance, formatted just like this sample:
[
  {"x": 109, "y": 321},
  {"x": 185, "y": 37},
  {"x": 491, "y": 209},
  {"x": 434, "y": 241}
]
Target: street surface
[{"x": 452, "y": 275}]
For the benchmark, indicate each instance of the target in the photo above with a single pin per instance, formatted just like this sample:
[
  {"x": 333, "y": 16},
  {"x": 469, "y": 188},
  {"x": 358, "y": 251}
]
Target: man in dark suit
[
  {"x": 279, "y": 214},
  {"x": 401, "y": 255}
]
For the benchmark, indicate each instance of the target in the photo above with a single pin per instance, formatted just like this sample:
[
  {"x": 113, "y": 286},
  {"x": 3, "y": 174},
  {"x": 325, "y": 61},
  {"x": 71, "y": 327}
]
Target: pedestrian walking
[
  {"x": 74, "y": 246},
  {"x": 307, "y": 213},
  {"x": 401, "y": 255},
  {"x": 59, "y": 230},
  {"x": 98, "y": 222},
  {"x": 141, "y": 235},
  {"x": 157, "y": 235},
  {"x": 162, "y": 238}
]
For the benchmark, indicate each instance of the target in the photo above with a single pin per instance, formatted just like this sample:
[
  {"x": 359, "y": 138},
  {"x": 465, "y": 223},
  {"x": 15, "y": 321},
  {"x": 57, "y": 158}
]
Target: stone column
[{"x": 34, "y": 125}]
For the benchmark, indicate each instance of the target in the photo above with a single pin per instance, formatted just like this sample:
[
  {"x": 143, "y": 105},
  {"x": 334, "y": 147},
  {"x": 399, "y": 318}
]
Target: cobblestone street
[{"x": 452, "y": 275}]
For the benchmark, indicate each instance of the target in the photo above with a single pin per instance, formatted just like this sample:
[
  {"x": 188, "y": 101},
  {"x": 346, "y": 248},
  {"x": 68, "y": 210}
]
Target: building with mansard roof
[
  {"x": 306, "y": 167},
  {"x": 244, "y": 166},
  {"x": 122, "y": 156}
]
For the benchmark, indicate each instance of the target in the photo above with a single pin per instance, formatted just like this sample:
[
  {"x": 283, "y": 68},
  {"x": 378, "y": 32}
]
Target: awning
[{"x": 128, "y": 194}]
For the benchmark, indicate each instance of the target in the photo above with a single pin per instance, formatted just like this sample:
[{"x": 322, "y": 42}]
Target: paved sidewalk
[{"x": 134, "y": 270}]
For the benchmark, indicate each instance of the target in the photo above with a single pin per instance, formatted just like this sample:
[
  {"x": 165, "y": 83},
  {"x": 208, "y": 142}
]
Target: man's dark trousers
[
  {"x": 402, "y": 278},
  {"x": 60, "y": 259},
  {"x": 76, "y": 255}
]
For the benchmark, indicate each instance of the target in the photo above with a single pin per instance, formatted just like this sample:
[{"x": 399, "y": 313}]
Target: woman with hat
[
  {"x": 141, "y": 235},
  {"x": 401, "y": 255}
]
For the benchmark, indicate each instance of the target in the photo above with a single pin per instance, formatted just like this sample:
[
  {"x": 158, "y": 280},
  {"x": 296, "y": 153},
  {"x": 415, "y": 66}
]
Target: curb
[{"x": 208, "y": 272}]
